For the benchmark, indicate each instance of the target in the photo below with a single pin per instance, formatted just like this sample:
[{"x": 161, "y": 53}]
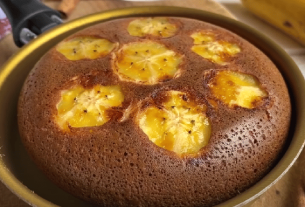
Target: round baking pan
[{"x": 20, "y": 174}]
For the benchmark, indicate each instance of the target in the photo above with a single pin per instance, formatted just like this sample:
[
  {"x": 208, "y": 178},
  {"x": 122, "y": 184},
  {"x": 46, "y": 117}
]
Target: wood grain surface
[{"x": 289, "y": 191}]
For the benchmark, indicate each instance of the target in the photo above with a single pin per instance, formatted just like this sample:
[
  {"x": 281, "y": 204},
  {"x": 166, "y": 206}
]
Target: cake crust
[{"x": 116, "y": 164}]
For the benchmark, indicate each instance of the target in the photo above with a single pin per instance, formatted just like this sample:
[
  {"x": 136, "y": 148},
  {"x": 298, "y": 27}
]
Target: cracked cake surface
[{"x": 154, "y": 111}]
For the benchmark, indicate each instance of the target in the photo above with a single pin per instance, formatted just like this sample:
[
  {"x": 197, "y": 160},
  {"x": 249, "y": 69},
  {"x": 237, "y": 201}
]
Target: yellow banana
[{"x": 287, "y": 15}]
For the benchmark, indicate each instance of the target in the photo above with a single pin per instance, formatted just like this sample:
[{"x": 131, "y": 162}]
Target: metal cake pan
[{"x": 23, "y": 178}]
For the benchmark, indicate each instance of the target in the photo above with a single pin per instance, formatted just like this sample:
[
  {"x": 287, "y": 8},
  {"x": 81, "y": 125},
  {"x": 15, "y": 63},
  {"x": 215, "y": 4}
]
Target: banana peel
[{"x": 288, "y": 16}]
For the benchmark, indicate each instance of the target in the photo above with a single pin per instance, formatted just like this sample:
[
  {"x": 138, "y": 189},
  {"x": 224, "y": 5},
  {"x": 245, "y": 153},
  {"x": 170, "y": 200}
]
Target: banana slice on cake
[
  {"x": 146, "y": 62},
  {"x": 237, "y": 89},
  {"x": 217, "y": 51},
  {"x": 178, "y": 124},
  {"x": 157, "y": 26},
  {"x": 81, "y": 107},
  {"x": 79, "y": 48}
]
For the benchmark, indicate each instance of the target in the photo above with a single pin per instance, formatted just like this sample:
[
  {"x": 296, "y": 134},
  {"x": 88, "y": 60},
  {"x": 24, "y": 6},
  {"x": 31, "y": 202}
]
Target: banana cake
[{"x": 154, "y": 111}]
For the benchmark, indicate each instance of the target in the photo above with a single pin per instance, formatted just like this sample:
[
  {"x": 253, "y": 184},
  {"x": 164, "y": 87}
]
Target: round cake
[{"x": 154, "y": 111}]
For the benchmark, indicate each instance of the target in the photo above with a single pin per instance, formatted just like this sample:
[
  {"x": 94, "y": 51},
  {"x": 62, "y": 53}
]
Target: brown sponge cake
[{"x": 176, "y": 113}]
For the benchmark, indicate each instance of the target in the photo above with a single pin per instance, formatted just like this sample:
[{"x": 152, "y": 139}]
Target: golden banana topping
[
  {"x": 80, "y": 48},
  {"x": 237, "y": 89},
  {"x": 80, "y": 107},
  {"x": 178, "y": 124},
  {"x": 217, "y": 51},
  {"x": 146, "y": 62},
  {"x": 157, "y": 26}
]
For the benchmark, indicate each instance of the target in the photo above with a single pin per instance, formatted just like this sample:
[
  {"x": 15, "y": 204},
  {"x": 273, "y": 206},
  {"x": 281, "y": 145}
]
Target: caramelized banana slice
[
  {"x": 80, "y": 107},
  {"x": 146, "y": 62},
  {"x": 80, "y": 48},
  {"x": 178, "y": 125},
  {"x": 237, "y": 89},
  {"x": 158, "y": 26},
  {"x": 207, "y": 47}
]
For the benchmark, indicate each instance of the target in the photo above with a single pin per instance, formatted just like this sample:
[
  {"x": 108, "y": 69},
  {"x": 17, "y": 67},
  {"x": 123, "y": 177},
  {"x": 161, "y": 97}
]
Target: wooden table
[{"x": 287, "y": 192}]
